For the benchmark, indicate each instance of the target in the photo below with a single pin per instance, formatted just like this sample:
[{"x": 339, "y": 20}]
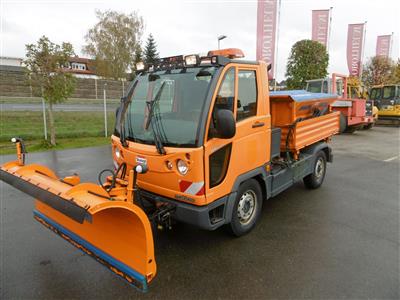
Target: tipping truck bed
[{"x": 303, "y": 117}]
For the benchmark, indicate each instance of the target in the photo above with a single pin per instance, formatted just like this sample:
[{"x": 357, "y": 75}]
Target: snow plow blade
[{"x": 114, "y": 231}]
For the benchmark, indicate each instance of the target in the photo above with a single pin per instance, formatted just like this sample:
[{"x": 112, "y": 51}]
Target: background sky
[{"x": 184, "y": 27}]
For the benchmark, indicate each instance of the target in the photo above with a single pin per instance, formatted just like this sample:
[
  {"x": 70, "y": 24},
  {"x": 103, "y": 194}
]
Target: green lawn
[{"x": 73, "y": 129}]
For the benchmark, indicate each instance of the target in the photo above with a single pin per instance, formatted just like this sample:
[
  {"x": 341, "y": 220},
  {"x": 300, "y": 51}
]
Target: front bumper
[{"x": 207, "y": 217}]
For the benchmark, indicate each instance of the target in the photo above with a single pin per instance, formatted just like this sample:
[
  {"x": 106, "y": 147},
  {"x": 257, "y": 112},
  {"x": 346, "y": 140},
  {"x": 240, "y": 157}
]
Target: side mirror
[{"x": 225, "y": 124}]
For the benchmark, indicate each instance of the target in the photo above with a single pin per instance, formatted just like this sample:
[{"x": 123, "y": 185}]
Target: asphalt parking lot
[{"x": 340, "y": 241}]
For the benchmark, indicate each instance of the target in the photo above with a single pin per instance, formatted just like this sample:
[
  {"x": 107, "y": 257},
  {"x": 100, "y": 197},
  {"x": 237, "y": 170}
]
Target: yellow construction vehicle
[{"x": 387, "y": 99}]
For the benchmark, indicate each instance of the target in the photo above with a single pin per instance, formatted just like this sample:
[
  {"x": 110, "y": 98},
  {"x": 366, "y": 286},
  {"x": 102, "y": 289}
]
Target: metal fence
[{"x": 28, "y": 118}]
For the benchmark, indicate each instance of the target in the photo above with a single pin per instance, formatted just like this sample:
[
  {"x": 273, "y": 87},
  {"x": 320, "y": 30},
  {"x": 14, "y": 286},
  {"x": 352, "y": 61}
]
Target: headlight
[
  {"x": 117, "y": 153},
  {"x": 182, "y": 166}
]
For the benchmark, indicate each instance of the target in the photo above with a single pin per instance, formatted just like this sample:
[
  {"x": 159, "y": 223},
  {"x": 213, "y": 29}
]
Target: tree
[
  {"x": 113, "y": 41},
  {"x": 308, "y": 60},
  {"x": 150, "y": 50},
  {"x": 138, "y": 54},
  {"x": 395, "y": 78},
  {"x": 378, "y": 70},
  {"x": 45, "y": 64}
]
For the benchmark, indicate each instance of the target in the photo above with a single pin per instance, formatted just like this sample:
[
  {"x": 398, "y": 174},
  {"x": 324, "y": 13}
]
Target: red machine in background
[{"x": 355, "y": 112}]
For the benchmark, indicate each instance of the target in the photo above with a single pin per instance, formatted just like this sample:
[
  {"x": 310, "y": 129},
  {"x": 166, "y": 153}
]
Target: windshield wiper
[
  {"x": 151, "y": 105},
  {"x": 125, "y": 100}
]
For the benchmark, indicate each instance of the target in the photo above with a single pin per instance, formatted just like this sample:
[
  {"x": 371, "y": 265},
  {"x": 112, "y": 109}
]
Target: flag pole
[
  {"x": 329, "y": 30},
  {"x": 391, "y": 45},
  {"x": 276, "y": 44},
  {"x": 363, "y": 49}
]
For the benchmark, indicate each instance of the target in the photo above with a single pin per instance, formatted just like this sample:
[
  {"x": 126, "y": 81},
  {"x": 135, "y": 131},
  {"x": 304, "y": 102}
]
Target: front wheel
[
  {"x": 351, "y": 129},
  {"x": 247, "y": 208},
  {"x": 316, "y": 178},
  {"x": 368, "y": 126}
]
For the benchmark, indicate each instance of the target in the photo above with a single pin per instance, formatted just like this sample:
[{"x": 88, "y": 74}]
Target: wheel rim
[
  {"x": 319, "y": 168},
  {"x": 247, "y": 207}
]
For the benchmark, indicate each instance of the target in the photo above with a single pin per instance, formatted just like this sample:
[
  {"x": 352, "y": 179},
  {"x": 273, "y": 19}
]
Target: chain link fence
[{"x": 28, "y": 118}]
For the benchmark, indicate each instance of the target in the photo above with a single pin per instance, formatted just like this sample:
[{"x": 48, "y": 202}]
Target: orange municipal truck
[{"x": 198, "y": 139}]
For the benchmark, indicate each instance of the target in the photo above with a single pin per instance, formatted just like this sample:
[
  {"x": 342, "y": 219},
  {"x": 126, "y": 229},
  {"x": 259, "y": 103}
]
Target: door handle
[{"x": 258, "y": 124}]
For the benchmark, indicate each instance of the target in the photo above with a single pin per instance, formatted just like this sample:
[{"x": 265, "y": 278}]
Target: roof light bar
[
  {"x": 140, "y": 66},
  {"x": 192, "y": 60},
  {"x": 229, "y": 53}
]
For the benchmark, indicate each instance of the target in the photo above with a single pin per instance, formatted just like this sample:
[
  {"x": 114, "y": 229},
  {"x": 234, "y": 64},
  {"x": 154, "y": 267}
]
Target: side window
[
  {"x": 247, "y": 95},
  {"x": 325, "y": 87},
  {"x": 219, "y": 162},
  {"x": 226, "y": 93},
  {"x": 224, "y": 98}
]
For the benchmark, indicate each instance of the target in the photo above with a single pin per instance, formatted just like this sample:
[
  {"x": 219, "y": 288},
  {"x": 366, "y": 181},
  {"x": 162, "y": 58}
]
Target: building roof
[
  {"x": 78, "y": 59},
  {"x": 90, "y": 68}
]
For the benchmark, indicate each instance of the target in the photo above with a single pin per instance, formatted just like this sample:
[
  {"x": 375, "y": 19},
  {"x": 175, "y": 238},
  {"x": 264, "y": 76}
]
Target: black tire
[
  {"x": 316, "y": 178},
  {"x": 351, "y": 129},
  {"x": 245, "y": 217},
  {"x": 368, "y": 126},
  {"x": 342, "y": 123}
]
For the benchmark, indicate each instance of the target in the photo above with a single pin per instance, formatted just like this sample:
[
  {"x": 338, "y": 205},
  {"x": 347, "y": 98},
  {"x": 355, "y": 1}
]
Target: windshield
[
  {"x": 316, "y": 86},
  {"x": 353, "y": 92},
  {"x": 388, "y": 92},
  {"x": 177, "y": 97},
  {"x": 375, "y": 94}
]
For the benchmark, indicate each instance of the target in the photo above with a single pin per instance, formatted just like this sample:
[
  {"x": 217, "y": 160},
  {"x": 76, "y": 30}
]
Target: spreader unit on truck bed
[{"x": 198, "y": 139}]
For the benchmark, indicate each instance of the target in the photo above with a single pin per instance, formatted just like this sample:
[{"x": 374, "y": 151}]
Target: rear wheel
[
  {"x": 316, "y": 178},
  {"x": 342, "y": 123},
  {"x": 247, "y": 208}
]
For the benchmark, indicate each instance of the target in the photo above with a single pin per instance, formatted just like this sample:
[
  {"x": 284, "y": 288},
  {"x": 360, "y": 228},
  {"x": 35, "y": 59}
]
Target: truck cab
[{"x": 387, "y": 99}]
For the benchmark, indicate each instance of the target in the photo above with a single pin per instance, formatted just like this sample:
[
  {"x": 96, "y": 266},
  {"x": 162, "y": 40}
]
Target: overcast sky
[{"x": 184, "y": 27}]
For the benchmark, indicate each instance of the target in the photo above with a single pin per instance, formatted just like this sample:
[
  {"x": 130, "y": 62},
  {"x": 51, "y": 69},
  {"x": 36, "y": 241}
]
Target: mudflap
[{"x": 116, "y": 233}]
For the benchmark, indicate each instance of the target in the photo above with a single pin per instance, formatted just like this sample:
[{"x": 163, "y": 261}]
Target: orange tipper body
[{"x": 191, "y": 133}]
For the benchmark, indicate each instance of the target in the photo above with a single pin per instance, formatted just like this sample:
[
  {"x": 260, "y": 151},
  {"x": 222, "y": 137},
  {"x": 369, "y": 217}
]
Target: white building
[{"x": 10, "y": 61}]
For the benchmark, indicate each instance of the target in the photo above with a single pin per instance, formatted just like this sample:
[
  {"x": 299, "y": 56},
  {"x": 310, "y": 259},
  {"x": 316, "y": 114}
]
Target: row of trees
[{"x": 309, "y": 60}]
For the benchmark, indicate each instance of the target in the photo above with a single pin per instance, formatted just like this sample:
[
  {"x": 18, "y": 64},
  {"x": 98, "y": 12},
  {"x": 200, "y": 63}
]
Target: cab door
[{"x": 241, "y": 91}]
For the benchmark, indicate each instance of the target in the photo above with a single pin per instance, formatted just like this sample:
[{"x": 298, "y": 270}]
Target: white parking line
[{"x": 392, "y": 158}]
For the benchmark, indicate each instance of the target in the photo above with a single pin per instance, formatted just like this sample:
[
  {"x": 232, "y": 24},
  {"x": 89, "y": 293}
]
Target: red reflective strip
[
  {"x": 201, "y": 192},
  {"x": 184, "y": 185}
]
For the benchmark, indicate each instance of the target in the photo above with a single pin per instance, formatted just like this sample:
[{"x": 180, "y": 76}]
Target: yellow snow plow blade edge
[{"x": 116, "y": 233}]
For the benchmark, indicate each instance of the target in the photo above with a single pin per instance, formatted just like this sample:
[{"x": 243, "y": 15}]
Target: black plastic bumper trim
[{"x": 66, "y": 207}]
